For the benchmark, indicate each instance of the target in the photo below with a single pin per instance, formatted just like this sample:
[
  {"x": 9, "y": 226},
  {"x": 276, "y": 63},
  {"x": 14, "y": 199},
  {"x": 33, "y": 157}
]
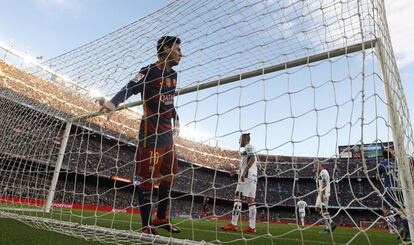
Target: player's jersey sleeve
[{"x": 135, "y": 86}]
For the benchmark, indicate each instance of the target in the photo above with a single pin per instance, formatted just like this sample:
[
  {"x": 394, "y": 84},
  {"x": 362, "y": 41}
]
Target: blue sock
[
  {"x": 144, "y": 197},
  {"x": 164, "y": 200}
]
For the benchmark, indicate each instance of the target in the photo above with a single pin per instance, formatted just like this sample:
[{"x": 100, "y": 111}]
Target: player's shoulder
[
  {"x": 147, "y": 68},
  {"x": 383, "y": 162},
  {"x": 250, "y": 148},
  {"x": 144, "y": 72},
  {"x": 324, "y": 172}
]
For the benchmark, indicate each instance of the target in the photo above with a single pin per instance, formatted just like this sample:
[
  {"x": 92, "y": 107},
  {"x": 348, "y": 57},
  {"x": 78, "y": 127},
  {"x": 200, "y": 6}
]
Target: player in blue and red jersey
[
  {"x": 156, "y": 159},
  {"x": 388, "y": 176}
]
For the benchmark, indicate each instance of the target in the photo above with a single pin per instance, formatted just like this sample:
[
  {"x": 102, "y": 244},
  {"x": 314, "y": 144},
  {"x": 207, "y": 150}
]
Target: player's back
[
  {"x": 389, "y": 171},
  {"x": 158, "y": 96},
  {"x": 301, "y": 205}
]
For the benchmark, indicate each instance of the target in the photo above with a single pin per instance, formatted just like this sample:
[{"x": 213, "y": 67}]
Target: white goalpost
[{"x": 312, "y": 81}]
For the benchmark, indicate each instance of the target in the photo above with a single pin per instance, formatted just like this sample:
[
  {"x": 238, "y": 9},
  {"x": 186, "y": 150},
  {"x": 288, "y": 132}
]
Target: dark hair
[
  {"x": 387, "y": 154},
  {"x": 166, "y": 41},
  {"x": 246, "y": 136}
]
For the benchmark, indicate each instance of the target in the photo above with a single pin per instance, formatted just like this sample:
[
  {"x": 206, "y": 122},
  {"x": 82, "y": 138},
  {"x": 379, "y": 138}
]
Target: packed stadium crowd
[
  {"x": 31, "y": 185},
  {"x": 34, "y": 135}
]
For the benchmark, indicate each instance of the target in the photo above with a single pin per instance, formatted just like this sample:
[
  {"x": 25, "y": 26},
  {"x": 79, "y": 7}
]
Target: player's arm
[
  {"x": 134, "y": 86},
  {"x": 251, "y": 159},
  {"x": 233, "y": 172},
  {"x": 381, "y": 170}
]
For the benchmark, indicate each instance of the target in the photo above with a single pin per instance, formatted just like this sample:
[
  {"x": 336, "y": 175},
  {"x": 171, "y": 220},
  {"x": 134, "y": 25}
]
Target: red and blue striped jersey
[{"x": 157, "y": 89}]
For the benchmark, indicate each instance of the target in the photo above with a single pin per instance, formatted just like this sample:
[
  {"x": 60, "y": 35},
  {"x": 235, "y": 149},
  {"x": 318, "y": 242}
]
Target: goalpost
[{"x": 305, "y": 78}]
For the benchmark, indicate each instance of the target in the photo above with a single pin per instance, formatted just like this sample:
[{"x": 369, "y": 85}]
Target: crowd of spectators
[
  {"x": 98, "y": 147},
  {"x": 280, "y": 183},
  {"x": 63, "y": 99},
  {"x": 83, "y": 191}
]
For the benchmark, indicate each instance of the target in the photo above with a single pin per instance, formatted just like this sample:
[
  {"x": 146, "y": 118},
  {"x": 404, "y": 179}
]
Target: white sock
[
  {"x": 236, "y": 211},
  {"x": 302, "y": 220},
  {"x": 327, "y": 219},
  {"x": 252, "y": 216}
]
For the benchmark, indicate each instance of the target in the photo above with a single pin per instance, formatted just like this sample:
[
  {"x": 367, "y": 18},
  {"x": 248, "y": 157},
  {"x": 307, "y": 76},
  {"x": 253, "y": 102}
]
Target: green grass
[{"x": 14, "y": 232}]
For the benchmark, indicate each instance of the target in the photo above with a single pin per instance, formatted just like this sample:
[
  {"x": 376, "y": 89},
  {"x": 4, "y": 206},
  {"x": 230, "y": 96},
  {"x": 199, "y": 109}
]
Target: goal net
[{"x": 311, "y": 81}]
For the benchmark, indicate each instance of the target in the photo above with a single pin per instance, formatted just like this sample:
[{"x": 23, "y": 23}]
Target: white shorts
[
  {"x": 301, "y": 214},
  {"x": 320, "y": 203},
  {"x": 247, "y": 188}
]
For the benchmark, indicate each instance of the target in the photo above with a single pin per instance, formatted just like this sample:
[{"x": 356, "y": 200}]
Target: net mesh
[{"x": 335, "y": 97}]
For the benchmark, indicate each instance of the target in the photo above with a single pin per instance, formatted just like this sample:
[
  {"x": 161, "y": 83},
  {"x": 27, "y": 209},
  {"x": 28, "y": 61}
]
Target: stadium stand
[{"x": 87, "y": 173}]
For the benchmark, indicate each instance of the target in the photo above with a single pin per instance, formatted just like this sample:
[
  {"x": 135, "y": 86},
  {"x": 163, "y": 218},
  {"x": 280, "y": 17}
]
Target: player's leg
[
  {"x": 252, "y": 215},
  {"x": 237, "y": 205},
  {"x": 168, "y": 163},
  {"x": 318, "y": 206},
  {"x": 330, "y": 225},
  {"x": 322, "y": 211},
  {"x": 250, "y": 193},
  {"x": 326, "y": 217},
  {"x": 387, "y": 210},
  {"x": 302, "y": 218},
  {"x": 143, "y": 170},
  {"x": 389, "y": 216}
]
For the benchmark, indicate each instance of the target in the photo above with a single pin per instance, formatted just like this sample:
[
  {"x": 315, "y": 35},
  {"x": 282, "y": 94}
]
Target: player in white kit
[
  {"x": 246, "y": 186},
  {"x": 324, "y": 191},
  {"x": 302, "y": 205}
]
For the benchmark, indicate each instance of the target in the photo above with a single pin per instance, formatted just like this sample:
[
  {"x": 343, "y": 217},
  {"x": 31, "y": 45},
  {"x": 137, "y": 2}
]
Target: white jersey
[
  {"x": 301, "y": 206},
  {"x": 249, "y": 151},
  {"x": 324, "y": 177}
]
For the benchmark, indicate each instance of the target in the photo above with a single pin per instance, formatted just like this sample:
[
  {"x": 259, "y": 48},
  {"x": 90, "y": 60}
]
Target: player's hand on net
[
  {"x": 108, "y": 107},
  {"x": 233, "y": 172}
]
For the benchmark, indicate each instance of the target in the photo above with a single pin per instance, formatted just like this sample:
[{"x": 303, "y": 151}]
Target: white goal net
[{"x": 311, "y": 81}]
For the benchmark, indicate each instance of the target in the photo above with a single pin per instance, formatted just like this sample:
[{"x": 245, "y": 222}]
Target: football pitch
[{"x": 15, "y": 232}]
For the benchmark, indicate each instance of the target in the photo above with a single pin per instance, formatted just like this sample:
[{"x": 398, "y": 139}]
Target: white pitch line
[{"x": 252, "y": 236}]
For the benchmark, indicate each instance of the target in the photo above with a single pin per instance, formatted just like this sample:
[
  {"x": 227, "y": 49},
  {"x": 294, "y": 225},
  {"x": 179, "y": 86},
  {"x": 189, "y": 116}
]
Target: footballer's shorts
[
  {"x": 302, "y": 213},
  {"x": 322, "y": 203},
  {"x": 247, "y": 188},
  {"x": 153, "y": 162}
]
